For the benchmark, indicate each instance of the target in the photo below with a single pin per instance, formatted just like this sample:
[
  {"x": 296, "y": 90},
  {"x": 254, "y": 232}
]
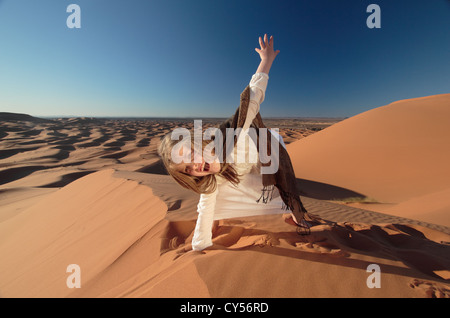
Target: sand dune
[
  {"x": 434, "y": 207},
  {"x": 91, "y": 222},
  {"x": 15, "y": 117},
  {"x": 115, "y": 229},
  {"x": 93, "y": 193},
  {"x": 392, "y": 154}
]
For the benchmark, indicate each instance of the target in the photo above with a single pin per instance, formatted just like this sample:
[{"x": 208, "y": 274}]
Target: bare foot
[{"x": 290, "y": 220}]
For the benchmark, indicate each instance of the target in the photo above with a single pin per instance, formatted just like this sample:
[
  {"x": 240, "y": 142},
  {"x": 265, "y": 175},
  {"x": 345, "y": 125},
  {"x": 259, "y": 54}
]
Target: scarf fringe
[
  {"x": 285, "y": 207},
  {"x": 266, "y": 194},
  {"x": 292, "y": 201}
]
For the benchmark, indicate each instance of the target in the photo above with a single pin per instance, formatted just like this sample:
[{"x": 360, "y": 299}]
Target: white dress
[{"x": 229, "y": 201}]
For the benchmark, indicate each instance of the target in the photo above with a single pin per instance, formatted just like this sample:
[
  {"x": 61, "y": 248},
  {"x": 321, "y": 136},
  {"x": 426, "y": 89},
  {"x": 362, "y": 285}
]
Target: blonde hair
[{"x": 204, "y": 184}]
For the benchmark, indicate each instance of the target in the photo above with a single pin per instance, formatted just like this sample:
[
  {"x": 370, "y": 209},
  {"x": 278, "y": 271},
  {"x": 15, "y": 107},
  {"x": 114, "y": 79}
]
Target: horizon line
[
  {"x": 166, "y": 117},
  {"x": 191, "y": 117}
]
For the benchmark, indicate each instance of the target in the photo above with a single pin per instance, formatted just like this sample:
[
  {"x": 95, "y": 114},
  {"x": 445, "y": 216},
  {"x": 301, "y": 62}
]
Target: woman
[{"x": 236, "y": 189}]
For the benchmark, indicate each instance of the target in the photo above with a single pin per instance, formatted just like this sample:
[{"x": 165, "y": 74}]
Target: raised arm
[
  {"x": 267, "y": 54},
  {"x": 259, "y": 80}
]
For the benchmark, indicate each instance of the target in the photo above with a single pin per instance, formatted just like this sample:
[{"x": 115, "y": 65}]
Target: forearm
[
  {"x": 258, "y": 85},
  {"x": 265, "y": 65},
  {"x": 202, "y": 234}
]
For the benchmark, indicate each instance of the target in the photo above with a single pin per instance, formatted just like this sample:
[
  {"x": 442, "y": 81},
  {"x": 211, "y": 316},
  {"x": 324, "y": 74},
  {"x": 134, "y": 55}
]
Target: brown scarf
[{"x": 284, "y": 178}]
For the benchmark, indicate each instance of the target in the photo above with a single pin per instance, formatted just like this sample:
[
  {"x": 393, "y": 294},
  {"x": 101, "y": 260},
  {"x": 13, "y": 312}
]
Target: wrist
[
  {"x": 264, "y": 66},
  {"x": 267, "y": 59}
]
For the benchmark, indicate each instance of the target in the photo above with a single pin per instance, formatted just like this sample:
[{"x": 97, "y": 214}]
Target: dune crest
[
  {"x": 392, "y": 153},
  {"x": 90, "y": 222}
]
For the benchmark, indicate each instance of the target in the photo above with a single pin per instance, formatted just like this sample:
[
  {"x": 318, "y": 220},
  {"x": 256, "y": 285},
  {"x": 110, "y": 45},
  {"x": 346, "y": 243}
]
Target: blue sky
[{"x": 193, "y": 58}]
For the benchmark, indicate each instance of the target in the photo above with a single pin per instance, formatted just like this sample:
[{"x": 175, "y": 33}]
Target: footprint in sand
[
  {"x": 322, "y": 248},
  {"x": 266, "y": 240},
  {"x": 236, "y": 222},
  {"x": 431, "y": 290}
]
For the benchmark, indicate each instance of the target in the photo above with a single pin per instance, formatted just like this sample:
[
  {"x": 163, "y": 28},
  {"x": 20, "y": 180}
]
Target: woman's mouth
[{"x": 204, "y": 167}]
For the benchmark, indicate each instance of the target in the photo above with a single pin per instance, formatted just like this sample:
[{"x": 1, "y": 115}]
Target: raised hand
[
  {"x": 266, "y": 53},
  {"x": 266, "y": 50}
]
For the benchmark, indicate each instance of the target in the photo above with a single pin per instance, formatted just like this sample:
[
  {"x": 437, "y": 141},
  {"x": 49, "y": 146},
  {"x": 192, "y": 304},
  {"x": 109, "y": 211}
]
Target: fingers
[
  {"x": 261, "y": 44},
  {"x": 266, "y": 42},
  {"x": 266, "y": 45}
]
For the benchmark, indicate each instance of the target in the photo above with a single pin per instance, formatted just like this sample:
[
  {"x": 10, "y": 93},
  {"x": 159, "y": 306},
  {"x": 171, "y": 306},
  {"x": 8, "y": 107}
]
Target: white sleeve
[
  {"x": 203, "y": 229},
  {"x": 258, "y": 85}
]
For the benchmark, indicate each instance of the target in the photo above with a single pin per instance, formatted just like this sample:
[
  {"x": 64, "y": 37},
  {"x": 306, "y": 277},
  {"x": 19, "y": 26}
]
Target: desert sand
[{"x": 92, "y": 192}]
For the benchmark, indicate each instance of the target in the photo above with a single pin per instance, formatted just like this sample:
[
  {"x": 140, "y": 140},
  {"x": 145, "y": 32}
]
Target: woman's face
[{"x": 199, "y": 169}]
